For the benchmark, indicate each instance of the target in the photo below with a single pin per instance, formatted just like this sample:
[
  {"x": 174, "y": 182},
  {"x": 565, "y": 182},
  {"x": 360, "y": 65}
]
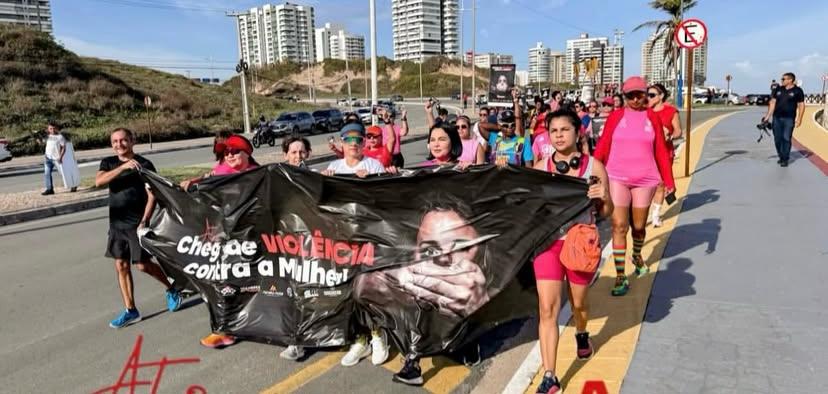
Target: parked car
[
  {"x": 396, "y": 98},
  {"x": 293, "y": 122},
  {"x": 330, "y": 119},
  {"x": 294, "y": 98},
  {"x": 456, "y": 96},
  {"x": 758, "y": 99},
  {"x": 5, "y": 155},
  {"x": 700, "y": 98},
  {"x": 364, "y": 115}
]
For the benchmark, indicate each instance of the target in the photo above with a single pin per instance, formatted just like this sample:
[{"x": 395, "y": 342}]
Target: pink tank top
[{"x": 632, "y": 157}]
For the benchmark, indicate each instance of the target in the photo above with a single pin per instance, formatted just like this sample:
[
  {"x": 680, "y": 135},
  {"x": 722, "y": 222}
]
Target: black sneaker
[
  {"x": 48, "y": 192},
  {"x": 783, "y": 164},
  {"x": 779, "y": 161},
  {"x": 585, "y": 349},
  {"x": 549, "y": 385},
  {"x": 410, "y": 373}
]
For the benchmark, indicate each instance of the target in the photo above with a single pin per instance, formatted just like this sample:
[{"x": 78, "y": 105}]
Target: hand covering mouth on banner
[{"x": 286, "y": 255}]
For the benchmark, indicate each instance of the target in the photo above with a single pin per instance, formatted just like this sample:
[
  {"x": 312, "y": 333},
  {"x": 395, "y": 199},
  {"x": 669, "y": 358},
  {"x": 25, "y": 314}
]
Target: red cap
[
  {"x": 635, "y": 84},
  {"x": 236, "y": 141},
  {"x": 373, "y": 130}
]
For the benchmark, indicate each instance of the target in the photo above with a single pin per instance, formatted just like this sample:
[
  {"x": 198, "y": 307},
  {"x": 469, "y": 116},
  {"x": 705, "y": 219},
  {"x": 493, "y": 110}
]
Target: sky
[{"x": 752, "y": 40}]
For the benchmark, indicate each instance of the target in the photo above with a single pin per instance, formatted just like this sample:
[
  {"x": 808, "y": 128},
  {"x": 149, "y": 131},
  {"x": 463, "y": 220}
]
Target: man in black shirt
[
  {"x": 130, "y": 208},
  {"x": 787, "y": 106}
]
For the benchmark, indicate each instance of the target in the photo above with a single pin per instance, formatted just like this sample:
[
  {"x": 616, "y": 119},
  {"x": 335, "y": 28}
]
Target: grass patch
[{"x": 174, "y": 174}]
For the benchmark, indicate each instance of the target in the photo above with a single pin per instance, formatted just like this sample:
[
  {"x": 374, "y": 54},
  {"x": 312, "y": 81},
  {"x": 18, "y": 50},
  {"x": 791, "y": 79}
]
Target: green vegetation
[{"x": 40, "y": 80}]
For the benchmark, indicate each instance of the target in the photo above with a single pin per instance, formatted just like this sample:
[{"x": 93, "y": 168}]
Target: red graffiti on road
[{"x": 134, "y": 364}]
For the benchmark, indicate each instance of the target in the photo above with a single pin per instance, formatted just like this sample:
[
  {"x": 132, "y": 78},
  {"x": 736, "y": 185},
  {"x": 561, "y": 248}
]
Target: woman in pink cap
[{"x": 634, "y": 151}]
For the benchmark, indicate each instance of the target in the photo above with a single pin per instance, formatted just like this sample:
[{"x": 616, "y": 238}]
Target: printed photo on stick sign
[
  {"x": 691, "y": 33},
  {"x": 501, "y": 83}
]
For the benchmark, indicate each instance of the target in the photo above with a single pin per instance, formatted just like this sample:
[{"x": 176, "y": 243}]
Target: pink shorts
[
  {"x": 548, "y": 266},
  {"x": 623, "y": 194}
]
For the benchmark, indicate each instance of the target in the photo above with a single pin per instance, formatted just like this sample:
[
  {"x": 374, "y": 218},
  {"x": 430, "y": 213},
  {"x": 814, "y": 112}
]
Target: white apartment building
[
  {"x": 277, "y": 33},
  {"x": 485, "y": 60},
  {"x": 654, "y": 62},
  {"x": 333, "y": 42},
  {"x": 585, "y": 48},
  {"x": 423, "y": 28},
  {"x": 36, "y": 14},
  {"x": 522, "y": 77},
  {"x": 556, "y": 67},
  {"x": 539, "y": 63}
]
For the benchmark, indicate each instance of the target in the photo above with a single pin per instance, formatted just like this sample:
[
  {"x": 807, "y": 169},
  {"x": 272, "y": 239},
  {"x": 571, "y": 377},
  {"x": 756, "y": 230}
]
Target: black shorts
[
  {"x": 122, "y": 244},
  {"x": 397, "y": 160}
]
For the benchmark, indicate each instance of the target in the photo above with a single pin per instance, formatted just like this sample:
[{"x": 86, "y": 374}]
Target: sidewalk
[{"x": 736, "y": 305}]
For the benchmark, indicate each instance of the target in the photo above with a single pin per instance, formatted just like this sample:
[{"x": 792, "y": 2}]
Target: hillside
[
  {"x": 441, "y": 77},
  {"x": 40, "y": 80}
]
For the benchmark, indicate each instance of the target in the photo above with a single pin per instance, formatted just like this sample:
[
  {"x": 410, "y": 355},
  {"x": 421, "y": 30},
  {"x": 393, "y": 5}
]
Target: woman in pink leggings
[
  {"x": 634, "y": 151},
  {"x": 564, "y": 129}
]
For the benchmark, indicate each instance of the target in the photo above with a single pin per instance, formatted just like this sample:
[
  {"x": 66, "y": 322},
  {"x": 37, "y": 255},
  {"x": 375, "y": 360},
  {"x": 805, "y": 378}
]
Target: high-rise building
[
  {"x": 33, "y": 13},
  {"x": 583, "y": 49},
  {"x": 539, "y": 63},
  {"x": 277, "y": 33},
  {"x": 333, "y": 42},
  {"x": 654, "y": 62},
  {"x": 556, "y": 67},
  {"x": 423, "y": 28},
  {"x": 485, "y": 60},
  {"x": 522, "y": 77}
]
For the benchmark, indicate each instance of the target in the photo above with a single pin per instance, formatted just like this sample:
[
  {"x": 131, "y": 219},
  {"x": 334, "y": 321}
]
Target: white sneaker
[
  {"x": 656, "y": 221},
  {"x": 379, "y": 348},
  {"x": 292, "y": 352},
  {"x": 358, "y": 351}
]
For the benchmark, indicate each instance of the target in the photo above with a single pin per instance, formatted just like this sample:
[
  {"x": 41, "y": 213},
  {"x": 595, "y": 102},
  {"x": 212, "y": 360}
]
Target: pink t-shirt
[
  {"x": 632, "y": 157},
  {"x": 469, "y": 150},
  {"x": 385, "y": 137},
  {"x": 221, "y": 168},
  {"x": 542, "y": 147}
]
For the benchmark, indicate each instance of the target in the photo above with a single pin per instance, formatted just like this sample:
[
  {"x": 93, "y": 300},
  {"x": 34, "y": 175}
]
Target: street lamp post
[
  {"x": 728, "y": 78},
  {"x": 462, "y": 55},
  {"x": 348, "y": 78},
  {"x": 373, "y": 21},
  {"x": 474, "y": 68}
]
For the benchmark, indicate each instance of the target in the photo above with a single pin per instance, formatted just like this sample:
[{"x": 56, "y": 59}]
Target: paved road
[
  {"x": 737, "y": 305},
  {"x": 28, "y": 182}
]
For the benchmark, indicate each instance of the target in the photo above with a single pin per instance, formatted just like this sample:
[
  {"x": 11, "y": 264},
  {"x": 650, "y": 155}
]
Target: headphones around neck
[{"x": 563, "y": 167}]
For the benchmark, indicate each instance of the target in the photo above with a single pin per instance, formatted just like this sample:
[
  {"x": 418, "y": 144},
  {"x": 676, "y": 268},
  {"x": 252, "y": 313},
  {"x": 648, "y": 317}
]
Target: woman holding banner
[
  {"x": 633, "y": 148},
  {"x": 550, "y": 266}
]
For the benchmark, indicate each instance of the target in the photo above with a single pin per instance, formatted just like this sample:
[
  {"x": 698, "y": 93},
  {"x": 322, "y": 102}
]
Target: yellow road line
[
  {"x": 441, "y": 374},
  {"x": 305, "y": 375},
  {"x": 615, "y": 322}
]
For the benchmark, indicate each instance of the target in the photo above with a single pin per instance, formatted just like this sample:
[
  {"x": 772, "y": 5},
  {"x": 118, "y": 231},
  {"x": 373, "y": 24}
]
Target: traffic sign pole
[{"x": 689, "y": 112}]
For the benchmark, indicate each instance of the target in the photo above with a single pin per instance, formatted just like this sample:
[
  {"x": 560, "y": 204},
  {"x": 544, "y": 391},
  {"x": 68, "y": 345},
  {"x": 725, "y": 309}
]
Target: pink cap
[{"x": 635, "y": 84}]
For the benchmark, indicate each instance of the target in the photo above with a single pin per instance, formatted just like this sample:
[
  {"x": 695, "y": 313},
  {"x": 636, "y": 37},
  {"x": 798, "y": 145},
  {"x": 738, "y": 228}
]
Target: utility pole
[
  {"x": 462, "y": 55},
  {"x": 421, "y": 78},
  {"x": 373, "y": 21},
  {"x": 348, "y": 78},
  {"x": 241, "y": 68},
  {"x": 310, "y": 77},
  {"x": 365, "y": 76},
  {"x": 474, "y": 37}
]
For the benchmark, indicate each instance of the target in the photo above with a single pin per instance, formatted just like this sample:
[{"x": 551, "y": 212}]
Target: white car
[
  {"x": 5, "y": 155},
  {"x": 364, "y": 115}
]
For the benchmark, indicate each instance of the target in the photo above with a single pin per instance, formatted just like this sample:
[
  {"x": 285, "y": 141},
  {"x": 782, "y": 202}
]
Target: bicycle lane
[{"x": 735, "y": 306}]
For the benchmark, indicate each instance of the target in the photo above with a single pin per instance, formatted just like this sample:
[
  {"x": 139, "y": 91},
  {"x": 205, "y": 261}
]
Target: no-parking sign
[{"x": 691, "y": 33}]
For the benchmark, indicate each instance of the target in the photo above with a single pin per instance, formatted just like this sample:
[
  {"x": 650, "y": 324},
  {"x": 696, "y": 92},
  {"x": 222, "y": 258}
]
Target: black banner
[
  {"x": 501, "y": 82},
  {"x": 285, "y": 255}
]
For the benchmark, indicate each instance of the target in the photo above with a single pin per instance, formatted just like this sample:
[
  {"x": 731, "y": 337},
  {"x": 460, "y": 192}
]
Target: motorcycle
[{"x": 263, "y": 134}]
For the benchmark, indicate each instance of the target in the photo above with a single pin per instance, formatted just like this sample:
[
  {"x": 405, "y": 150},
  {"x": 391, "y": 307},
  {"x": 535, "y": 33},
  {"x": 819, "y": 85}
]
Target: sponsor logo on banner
[
  {"x": 311, "y": 293},
  {"x": 273, "y": 291},
  {"x": 227, "y": 291},
  {"x": 250, "y": 289},
  {"x": 332, "y": 293}
]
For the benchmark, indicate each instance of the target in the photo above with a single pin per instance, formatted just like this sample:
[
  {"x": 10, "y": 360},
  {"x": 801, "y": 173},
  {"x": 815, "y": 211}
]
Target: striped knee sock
[
  {"x": 637, "y": 244},
  {"x": 619, "y": 253}
]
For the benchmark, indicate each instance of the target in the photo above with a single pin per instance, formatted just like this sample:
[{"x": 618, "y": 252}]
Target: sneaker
[
  {"x": 657, "y": 221},
  {"x": 48, "y": 192},
  {"x": 127, "y": 317},
  {"x": 173, "y": 300},
  {"x": 471, "y": 356},
  {"x": 410, "y": 373},
  {"x": 218, "y": 341},
  {"x": 293, "y": 353},
  {"x": 379, "y": 348},
  {"x": 358, "y": 351},
  {"x": 622, "y": 286},
  {"x": 585, "y": 348},
  {"x": 641, "y": 269},
  {"x": 72, "y": 190},
  {"x": 549, "y": 385},
  {"x": 784, "y": 163},
  {"x": 779, "y": 161}
]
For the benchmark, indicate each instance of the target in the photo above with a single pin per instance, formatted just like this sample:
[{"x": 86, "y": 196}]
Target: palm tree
[{"x": 665, "y": 29}]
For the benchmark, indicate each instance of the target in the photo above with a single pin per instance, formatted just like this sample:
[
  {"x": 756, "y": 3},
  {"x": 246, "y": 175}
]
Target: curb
[
  {"x": 101, "y": 201},
  {"x": 38, "y": 168}
]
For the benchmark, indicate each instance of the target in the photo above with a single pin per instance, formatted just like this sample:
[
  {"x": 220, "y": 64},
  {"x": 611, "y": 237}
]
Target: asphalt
[{"x": 736, "y": 306}]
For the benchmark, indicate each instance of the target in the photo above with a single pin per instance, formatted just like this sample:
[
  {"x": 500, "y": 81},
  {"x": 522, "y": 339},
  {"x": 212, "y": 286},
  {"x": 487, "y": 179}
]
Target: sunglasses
[
  {"x": 371, "y": 137},
  {"x": 635, "y": 96},
  {"x": 353, "y": 140},
  {"x": 232, "y": 151},
  {"x": 483, "y": 114},
  {"x": 507, "y": 125},
  {"x": 463, "y": 126},
  {"x": 652, "y": 95}
]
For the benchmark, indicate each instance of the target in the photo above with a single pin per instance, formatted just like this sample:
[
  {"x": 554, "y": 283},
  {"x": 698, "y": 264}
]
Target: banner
[
  {"x": 501, "y": 82},
  {"x": 285, "y": 255}
]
